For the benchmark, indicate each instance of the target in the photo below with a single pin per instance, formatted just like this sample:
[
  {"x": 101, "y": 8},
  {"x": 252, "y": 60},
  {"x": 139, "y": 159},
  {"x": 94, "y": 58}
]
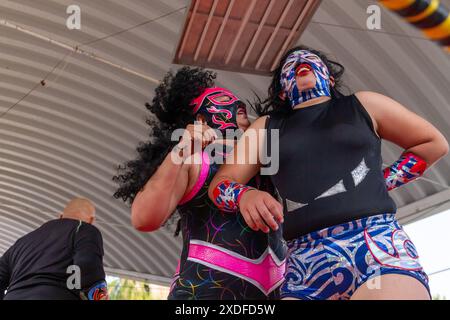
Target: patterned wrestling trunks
[{"x": 332, "y": 263}]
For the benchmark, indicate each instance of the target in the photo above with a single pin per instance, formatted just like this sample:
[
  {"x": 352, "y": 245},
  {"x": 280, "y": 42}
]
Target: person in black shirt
[{"x": 61, "y": 260}]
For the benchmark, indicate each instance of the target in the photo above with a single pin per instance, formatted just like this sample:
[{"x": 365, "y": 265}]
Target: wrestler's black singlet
[
  {"x": 330, "y": 168},
  {"x": 222, "y": 258}
]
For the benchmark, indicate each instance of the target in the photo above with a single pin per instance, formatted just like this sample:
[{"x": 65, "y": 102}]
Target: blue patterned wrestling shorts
[{"x": 334, "y": 262}]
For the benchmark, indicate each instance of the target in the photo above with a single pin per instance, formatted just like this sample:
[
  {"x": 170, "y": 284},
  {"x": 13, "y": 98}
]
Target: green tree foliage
[{"x": 126, "y": 289}]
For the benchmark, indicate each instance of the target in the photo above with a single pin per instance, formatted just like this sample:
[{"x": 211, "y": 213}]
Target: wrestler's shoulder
[{"x": 260, "y": 123}]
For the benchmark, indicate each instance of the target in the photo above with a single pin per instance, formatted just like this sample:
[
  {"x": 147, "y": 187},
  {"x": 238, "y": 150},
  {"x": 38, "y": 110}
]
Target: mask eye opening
[{"x": 222, "y": 98}]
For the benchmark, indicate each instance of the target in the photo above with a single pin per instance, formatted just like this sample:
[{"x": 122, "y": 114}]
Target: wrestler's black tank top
[{"x": 330, "y": 166}]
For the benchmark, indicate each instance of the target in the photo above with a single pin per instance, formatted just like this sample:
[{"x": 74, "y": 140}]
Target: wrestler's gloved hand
[
  {"x": 98, "y": 291},
  {"x": 406, "y": 169}
]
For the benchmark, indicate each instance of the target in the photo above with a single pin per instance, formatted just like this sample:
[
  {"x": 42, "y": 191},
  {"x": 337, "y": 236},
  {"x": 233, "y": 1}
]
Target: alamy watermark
[
  {"x": 249, "y": 147},
  {"x": 73, "y": 22},
  {"x": 74, "y": 280},
  {"x": 374, "y": 20}
]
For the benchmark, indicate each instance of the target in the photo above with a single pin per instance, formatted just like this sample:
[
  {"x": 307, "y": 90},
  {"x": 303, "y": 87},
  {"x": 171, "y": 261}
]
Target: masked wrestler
[
  {"x": 222, "y": 258},
  {"x": 340, "y": 220}
]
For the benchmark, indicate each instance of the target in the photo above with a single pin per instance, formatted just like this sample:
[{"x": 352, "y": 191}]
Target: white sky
[{"x": 431, "y": 237}]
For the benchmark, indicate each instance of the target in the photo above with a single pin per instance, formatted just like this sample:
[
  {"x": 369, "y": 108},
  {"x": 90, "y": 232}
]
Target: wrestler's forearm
[
  {"x": 407, "y": 168},
  {"x": 222, "y": 175},
  {"x": 413, "y": 163},
  {"x": 431, "y": 151},
  {"x": 165, "y": 178},
  {"x": 226, "y": 193},
  {"x": 153, "y": 204}
]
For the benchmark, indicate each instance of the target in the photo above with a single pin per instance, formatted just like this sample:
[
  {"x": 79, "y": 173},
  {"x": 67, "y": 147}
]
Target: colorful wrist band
[
  {"x": 227, "y": 195},
  {"x": 408, "y": 168},
  {"x": 98, "y": 291}
]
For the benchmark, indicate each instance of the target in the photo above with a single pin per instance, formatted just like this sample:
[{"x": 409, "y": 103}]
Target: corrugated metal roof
[{"x": 64, "y": 138}]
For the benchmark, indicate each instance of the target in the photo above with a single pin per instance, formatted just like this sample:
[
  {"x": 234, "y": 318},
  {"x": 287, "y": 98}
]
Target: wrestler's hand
[
  {"x": 197, "y": 133},
  {"x": 260, "y": 210}
]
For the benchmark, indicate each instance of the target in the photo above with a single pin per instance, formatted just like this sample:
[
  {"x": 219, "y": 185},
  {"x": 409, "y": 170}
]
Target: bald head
[{"x": 80, "y": 209}]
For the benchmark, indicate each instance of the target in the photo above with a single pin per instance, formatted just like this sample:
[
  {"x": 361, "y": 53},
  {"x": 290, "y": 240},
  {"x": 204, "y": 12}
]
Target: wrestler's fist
[
  {"x": 198, "y": 133},
  {"x": 195, "y": 137},
  {"x": 260, "y": 210}
]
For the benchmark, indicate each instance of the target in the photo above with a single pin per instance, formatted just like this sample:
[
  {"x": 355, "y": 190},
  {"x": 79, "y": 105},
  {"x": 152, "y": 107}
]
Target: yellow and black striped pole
[{"x": 428, "y": 15}]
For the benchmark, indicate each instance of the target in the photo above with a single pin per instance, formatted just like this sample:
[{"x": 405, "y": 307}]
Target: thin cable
[
  {"x": 35, "y": 86},
  {"x": 61, "y": 71},
  {"x": 133, "y": 27},
  {"x": 76, "y": 49}
]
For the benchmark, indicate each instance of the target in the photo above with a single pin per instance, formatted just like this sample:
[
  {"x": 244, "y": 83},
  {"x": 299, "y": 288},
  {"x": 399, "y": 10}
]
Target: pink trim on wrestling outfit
[
  {"x": 387, "y": 259},
  {"x": 266, "y": 272},
  {"x": 201, "y": 180}
]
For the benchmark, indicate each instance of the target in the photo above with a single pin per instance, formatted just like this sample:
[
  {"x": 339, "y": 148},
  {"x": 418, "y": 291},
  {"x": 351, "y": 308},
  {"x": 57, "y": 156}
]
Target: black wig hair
[
  {"x": 274, "y": 104},
  {"x": 169, "y": 110}
]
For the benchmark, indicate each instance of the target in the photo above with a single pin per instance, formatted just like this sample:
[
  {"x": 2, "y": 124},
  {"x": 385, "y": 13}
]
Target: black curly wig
[
  {"x": 170, "y": 110},
  {"x": 274, "y": 104}
]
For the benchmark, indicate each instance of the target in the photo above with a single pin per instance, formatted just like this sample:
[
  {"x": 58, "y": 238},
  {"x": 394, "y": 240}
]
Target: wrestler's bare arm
[
  {"x": 395, "y": 123},
  {"x": 160, "y": 195},
  {"x": 174, "y": 178}
]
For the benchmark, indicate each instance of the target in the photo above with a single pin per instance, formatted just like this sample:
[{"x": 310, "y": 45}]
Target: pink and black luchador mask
[{"x": 219, "y": 106}]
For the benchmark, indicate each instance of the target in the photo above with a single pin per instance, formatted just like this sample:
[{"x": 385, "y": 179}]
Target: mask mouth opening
[
  {"x": 303, "y": 69},
  {"x": 241, "y": 109}
]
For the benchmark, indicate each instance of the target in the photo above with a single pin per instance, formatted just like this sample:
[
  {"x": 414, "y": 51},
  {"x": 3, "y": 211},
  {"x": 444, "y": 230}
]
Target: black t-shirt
[
  {"x": 40, "y": 261},
  {"x": 330, "y": 166}
]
